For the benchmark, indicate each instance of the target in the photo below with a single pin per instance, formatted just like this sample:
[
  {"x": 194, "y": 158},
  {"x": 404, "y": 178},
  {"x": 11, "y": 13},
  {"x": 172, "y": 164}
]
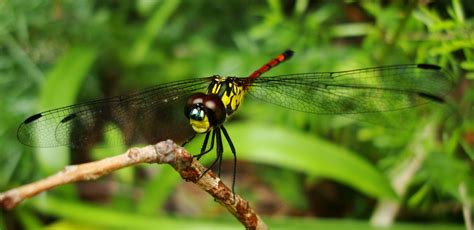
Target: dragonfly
[{"x": 180, "y": 110}]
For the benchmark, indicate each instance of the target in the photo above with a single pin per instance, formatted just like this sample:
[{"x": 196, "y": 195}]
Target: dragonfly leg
[
  {"x": 232, "y": 148},
  {"x": 212, "y": 142},
  {"x": 217, "y": 135},
  {"x": 188, "y": 140},
  {"x": 204, "y": 145},
  {"x": 219, "y": 150}
]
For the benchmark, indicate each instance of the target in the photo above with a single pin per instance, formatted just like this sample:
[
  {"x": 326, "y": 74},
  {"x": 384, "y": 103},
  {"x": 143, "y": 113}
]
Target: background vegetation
[{"x": 298, "y": 170}]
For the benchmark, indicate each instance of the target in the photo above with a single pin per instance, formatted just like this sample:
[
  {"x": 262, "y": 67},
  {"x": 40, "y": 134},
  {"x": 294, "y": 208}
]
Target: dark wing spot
[
  {"x": 32, "y": 118},
  {"x": 428, "y": 66},
  {"x": 431, "y": 97},
  {"x": 68, "y": 118}
]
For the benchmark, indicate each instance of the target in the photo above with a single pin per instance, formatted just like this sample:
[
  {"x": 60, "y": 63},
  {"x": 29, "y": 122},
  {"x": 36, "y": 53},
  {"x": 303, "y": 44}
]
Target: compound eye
[
  {"x": 204, "y": 112},
  {"x": 198, "y": 119},
  {"x": 197, "y": 113}
]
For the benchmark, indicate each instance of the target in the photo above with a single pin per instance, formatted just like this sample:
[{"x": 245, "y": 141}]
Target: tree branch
[{"x": 165, "y": 152}]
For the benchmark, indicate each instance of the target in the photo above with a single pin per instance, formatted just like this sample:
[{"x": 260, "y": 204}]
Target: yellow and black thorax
[{"x": 230, "y": 90}]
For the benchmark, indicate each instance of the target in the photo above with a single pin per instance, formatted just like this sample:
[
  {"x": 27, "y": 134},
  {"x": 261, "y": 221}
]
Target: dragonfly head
[{"x": 204, "y": 112}]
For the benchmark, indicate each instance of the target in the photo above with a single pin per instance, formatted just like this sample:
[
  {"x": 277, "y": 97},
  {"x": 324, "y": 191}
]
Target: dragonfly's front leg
[
  {"x": 204, "y": 145},
  {"x": 216, "y": 134}
]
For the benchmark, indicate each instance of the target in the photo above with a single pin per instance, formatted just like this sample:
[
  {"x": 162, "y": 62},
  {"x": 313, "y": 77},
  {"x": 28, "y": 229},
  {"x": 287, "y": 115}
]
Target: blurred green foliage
[{"x": 56, "y": 53}]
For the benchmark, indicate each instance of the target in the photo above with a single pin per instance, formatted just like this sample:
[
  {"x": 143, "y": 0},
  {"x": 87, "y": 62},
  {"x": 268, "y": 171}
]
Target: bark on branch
[{"x": 165, "y": 152}]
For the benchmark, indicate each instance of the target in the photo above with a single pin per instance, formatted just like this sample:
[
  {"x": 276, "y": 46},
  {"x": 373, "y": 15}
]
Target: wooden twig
[{"x": 165, "y": 152}]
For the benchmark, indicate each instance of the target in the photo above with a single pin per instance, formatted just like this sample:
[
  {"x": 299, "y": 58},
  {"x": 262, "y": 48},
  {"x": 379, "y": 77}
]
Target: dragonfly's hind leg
[
  {"x": 232, "y": 148},
  {"x": 219, "y": 150}
]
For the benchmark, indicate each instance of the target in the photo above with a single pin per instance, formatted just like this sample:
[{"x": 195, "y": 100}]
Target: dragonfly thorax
[{"x": 230, "y": 90}]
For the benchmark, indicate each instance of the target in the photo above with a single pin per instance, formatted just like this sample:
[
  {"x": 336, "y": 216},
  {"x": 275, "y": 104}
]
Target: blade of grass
[{"x": 150, "y": 31}]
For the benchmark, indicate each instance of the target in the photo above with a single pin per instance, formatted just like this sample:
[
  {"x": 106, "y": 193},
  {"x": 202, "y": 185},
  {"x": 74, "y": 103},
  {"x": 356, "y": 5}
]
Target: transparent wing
[
  {"x": 361, "y": 94},
  {"x": 148, "y": 116}
]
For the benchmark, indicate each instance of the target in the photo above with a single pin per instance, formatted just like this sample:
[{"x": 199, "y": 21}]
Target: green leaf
[
  {"x": 142, "y": 45},
  {"x": 79, "y": 212},
  {"x": 468, "y": 65},
  {"x": 337, "y": 224},
  {"x": 300, "y": 152},
  {"x": 64, "y": 80},
  {"x": 157, "y": 190},
  {"x": 458, "y": 11},
  {"x": 79, "y": 215},
  {"x": 61, "y": 88}
]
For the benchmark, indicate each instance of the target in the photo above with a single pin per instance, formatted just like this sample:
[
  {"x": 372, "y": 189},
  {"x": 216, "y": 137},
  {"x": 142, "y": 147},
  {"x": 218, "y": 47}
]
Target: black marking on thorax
[{"x": 229, "y": 89}]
